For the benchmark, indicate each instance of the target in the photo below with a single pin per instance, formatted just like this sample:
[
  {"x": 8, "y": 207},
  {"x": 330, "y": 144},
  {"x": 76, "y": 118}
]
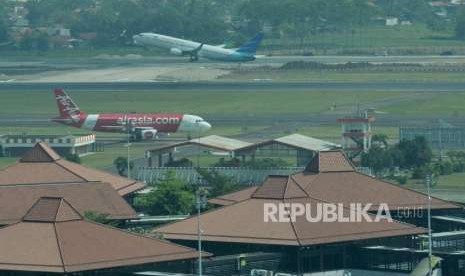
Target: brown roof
[
  {"x": 43, "y": 154},
  {"x": 330, "y": 161},
  {"x": 53, "y": 237},
  {"x": 43, "y": 165},
  {"x": 330, "y": 177},
  {"x": 233, "y": 197},
  {"x": 243, "y": 222},
  {"x": 98, "y": 197}
]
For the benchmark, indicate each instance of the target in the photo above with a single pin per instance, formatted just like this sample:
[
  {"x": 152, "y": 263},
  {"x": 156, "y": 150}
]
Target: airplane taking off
[
  {"x": 141, "y": 126},
  {"x": 195, "y": 50}
]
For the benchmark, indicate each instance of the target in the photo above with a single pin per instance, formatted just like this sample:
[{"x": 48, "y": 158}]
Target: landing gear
[{"x": 193, "y": 58}]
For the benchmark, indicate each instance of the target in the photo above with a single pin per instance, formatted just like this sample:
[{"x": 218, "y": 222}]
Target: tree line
[
  {"x": 217, "y": 21},
  {"x": 412, "y": 156}
]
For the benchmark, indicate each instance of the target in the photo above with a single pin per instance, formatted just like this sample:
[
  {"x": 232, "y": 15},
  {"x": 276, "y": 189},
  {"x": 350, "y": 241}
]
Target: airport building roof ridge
[
  {"x": 41, "y": 152},
  {"x": 330, "y": 161}
]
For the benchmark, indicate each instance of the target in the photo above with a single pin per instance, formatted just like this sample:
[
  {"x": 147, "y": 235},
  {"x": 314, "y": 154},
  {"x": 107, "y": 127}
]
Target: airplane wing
[{"x": 194, "y": 54}]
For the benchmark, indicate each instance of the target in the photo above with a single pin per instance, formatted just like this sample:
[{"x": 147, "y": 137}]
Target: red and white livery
[{"x": 144, "y": 125}]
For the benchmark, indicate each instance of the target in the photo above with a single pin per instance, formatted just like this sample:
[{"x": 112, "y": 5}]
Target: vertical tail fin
[
  {"x": 250, "y": 47},
  {"x": 67, "y": 108}
]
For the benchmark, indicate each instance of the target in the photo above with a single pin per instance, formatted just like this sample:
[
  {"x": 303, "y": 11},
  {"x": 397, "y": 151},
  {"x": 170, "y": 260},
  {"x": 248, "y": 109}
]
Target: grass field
[
  {"x": 452, "y": 104},
  {"x": 251, "y": 112},
  {"x": 452, "y": 181},
  {"x": 4, "y": 161},
  {"x": 449, "y": 187},
  {"x": 414, "y": 39},
  {"x": 307, "y": 75},
  {"x": 243, "y": 104},
  {"x": 246, "y": 105}
]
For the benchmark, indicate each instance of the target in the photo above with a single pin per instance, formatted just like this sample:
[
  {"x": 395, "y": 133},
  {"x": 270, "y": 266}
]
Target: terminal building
[
  {"x": 377, "y": 248},
  {"x": 296, "y": 149},
  {"x": 17, "y": 145}
]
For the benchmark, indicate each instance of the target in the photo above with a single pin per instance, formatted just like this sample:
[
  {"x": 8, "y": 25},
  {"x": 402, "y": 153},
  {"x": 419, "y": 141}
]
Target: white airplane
[{"x": 194, "y": 50}]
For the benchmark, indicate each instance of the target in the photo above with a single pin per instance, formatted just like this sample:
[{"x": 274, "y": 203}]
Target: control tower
[{"x": 356, "y": 133}]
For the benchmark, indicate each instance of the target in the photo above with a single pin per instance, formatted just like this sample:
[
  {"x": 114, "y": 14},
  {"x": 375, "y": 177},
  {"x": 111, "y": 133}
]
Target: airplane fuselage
[
  {"x": 149, "y": 123},
  {"x": 179, "y": 46},
  {"x": 121, "y": 122}
]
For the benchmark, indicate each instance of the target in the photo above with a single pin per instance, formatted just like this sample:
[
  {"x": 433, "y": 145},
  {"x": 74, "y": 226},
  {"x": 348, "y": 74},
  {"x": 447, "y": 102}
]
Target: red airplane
[{"x": 141, "y": 126}]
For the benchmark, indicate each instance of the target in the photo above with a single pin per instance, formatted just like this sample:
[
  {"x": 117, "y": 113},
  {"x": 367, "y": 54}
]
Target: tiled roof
[
  {"x": 40, "y": 153},
  {"x": 330, "y": 161},
  {"x": 98, "y": 197},
  {"x": 53, "y": 237},
  {"x": 330, "y": 177},
  {"x": 233, "y": 197},
  {"x": 43, "y": 165},
  {"x": 244, "y": 222}
]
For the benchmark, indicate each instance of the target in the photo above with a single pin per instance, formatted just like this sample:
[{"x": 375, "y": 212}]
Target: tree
[
  {"x": 460, "y": 24},
  {"x": 35, "y": 41},
  {"x": 377, "y": 158},
  {"x": 99, "y": 218},
  {"x": 416, "y": 152},
  {"x": 121, "y": 164},
  {"x": 3, "y": 22},
  {"x": 218, "y": 184},
  {"x": 170, "y": 196},
  {"x": 380, "y": 139}
]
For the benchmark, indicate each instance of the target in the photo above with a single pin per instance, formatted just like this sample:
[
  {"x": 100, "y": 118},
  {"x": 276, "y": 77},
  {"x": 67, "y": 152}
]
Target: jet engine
[
  {"x": 144, "y": 133},
  {"x": 148, "y": 134},
  {"x": 176, "y": 51}
]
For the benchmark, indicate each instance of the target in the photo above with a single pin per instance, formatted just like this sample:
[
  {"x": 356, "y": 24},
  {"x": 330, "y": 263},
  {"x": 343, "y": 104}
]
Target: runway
[
  {"x": 261, "y": 60},
  {"x": 238, "y": 86}
]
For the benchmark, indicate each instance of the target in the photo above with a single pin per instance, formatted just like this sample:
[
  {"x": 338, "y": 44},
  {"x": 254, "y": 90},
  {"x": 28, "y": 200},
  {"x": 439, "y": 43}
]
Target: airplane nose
[{"x": 205, "y": 126}]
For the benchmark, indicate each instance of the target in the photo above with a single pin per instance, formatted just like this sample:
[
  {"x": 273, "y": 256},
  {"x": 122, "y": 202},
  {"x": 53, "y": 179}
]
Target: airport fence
[{"x": 241, "y": 175}]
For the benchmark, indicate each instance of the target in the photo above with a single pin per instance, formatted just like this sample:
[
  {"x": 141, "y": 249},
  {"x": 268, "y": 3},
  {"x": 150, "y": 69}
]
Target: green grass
[
  {"x": 246, "y": 105},
  {"x": 449, "y": 187},
  {"x": 452, "y": 181},
  {"x": 417, "y": 37},
  {"x": 256, "y": 109},
  {"x": 104, "y": 160},
  {"x": 306, "y": 75},
  {"x": 243, "y": 104},
  {"x": 451, "y": 104},
  {"x": 6, "y": 161}
]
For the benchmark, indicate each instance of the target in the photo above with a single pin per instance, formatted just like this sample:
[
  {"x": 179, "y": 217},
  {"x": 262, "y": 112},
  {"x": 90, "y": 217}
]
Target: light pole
[
  {"x": 429, "y": 179},
  {"x": 201, "y": 202},
  {"x": 129, "y": 129},
  {"x": 129, "y": 155}
]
